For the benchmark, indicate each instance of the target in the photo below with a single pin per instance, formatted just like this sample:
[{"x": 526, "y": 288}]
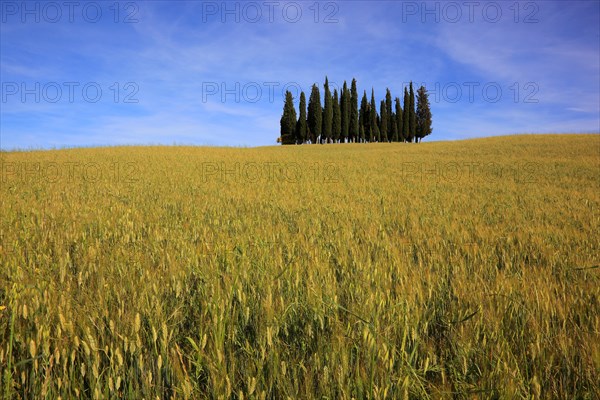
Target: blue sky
[{"x": 214, "y": 73}]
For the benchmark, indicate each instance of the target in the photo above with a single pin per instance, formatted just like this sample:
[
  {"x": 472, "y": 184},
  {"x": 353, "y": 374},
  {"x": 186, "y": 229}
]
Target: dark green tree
[
  {"x": 406, "y": 117},
  {"x": 301, "y": 125},
  {"x": 363, "y": 119},
  {"x": 374, "y": 129},
  {"x": 413, "y": 120},
  {"x": 398, "y": 120},
  {"x": 353, "y": 128},
  {"x": 336, "y": 126},
  {"x": 345, "y": 110},
  {"x": 288, "y": 120},
  {"x": 423, "y": 114},
  {"x": 383, "y": 123},
  {"x": 394, "y": 133},
  {"x": 315, "y": 114},
  {"x": 389, "y": 112},
  {"x": 327, "y": 114}
]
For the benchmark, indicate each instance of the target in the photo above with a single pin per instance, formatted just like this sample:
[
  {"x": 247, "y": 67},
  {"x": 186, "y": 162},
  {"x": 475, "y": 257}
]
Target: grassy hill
[{"x": 465, "y": 268}]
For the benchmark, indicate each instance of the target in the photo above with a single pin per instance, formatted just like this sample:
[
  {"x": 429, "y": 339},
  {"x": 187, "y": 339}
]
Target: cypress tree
[
  {"x": 315, "y": 115},
  {"x": 406, "y": 117},
  {"x": 383, "y": 124},
  {"x": 399, "y": 120},
  {"x": 288, "y": 120},
  {"x": 342, "y": 107},
  {"x": 364, "y": 117},
  {"x": 394, "y": 133},
  {"x": 374, "y": 130},
  {"x": 423, "y": 114},
  {"x": 301, "y": 127},
  {"x": 413, "y": 121},
  {"x": 353, "y": 128},
  {"x": 345, "y": 110},
  {"x": 389, "y": 112},
  {"x": 322, "y": 139},
  {"x": 327, "y": 114},
  {"x": 336, "y": 126}
]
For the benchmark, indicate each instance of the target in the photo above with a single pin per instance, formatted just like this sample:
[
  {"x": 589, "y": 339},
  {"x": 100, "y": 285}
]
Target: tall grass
[{"x": 463, "y": 269}]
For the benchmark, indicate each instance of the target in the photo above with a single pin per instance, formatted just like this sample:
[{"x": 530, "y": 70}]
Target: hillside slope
[{"x": 350, "y": 270}]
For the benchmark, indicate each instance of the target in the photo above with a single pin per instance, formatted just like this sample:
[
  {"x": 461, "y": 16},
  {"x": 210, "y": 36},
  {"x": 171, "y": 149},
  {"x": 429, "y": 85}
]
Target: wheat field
[{"x": 464, "y": 269}]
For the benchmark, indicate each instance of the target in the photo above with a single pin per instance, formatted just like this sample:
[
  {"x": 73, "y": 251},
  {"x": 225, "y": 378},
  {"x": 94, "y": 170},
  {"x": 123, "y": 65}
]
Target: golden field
[{"x": 464, "y": 269}]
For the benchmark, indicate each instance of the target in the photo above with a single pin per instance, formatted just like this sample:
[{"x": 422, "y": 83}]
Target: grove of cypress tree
[
  {"x": 353, "y": 128},
  {"x": 288, "y": 120},
  {"x": 336, "y": 126},
  {"x": 399, "y": 120},
  {"x": 327, "y": 114},
  {"x": 345, "y": 110},
  {"x": 340, "y": 120},
  {"x": 383, "y": 124},
  {"x": 413, "y": 121},
  {"x": 374, "y": 129},
  {"x": 406, "y": 117},
  {"x": 315, "y": 114},
  {"x": 423, "y": 114},
  {"x": 301, "y": 125}
]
